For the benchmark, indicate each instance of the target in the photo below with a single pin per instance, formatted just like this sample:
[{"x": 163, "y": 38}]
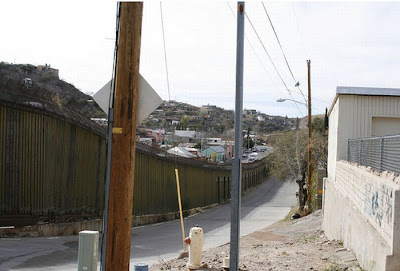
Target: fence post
[
  {"x": 224, "y": 191},
  {"x": 348, "y": 150},
  {"x": 218, "y": 192},
  {"x": 381, "y": 154}
]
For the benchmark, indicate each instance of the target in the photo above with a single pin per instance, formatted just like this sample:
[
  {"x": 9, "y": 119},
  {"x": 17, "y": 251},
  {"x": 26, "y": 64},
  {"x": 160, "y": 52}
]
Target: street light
[{"x": 282, "y": 100}]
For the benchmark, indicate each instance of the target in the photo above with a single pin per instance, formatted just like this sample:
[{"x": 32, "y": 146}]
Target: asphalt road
[{"x": 267, "y": 204}]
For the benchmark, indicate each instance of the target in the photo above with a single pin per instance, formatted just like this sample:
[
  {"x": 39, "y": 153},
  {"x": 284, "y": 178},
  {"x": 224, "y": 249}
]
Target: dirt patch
[{"x": 287, "y": 245}]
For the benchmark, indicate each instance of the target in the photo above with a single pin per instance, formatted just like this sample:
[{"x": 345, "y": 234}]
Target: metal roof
[
  {"x": 181, "y": 151},
  {"x": 370, "y": 91},
  {"x": 363, "y": 91},
  {"x": 185, "y": 133}
]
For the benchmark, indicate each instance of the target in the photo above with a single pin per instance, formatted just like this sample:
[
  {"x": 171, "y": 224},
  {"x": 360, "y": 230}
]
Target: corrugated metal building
[{"x": 360, "y": 112}]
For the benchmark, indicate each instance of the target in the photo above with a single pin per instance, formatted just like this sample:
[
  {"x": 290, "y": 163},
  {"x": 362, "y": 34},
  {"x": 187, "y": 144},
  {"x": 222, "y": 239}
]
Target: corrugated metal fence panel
[
  {"x": 3, "y": 134},
  {"x": 49, "y": 166}
]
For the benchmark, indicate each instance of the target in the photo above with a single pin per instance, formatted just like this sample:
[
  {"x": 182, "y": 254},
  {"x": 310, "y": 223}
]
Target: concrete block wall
[{"x": 362, "y": 208}]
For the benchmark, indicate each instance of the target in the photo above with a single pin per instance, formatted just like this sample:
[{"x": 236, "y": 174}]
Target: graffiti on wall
[{"x": 378, "y": 203}]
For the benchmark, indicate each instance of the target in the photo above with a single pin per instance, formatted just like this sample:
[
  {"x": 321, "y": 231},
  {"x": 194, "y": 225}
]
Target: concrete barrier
[
  {"x": 362, "y": 208},
  {"x": 73, "y": 228}
]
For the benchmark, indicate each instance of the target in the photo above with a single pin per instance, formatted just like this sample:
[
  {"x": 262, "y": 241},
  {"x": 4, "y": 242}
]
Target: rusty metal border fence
[
  {"x": 380, "y": 153},
  {"x": 202, "y": 184},
  {"x": 54, "y": 170},
  {"x": 49, "y": 167}
]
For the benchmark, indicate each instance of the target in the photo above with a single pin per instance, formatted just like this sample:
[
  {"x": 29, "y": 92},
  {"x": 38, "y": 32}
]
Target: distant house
[
  {"x": 214, "y": 140},
  {"x": 249, "y": 112},
  {"x": 214, "y": 153},
  {"x": 175, "y": 122},
  {"x": 185, "y": 136},
  {"x": 183, "y": 152},
  {"x": 170, "y": 103},
  {"x": 46, "y": 68},
  {"x": 226, "y": 143},
  {"x": 156, "y": 136},
  {"x": 27, "y": 82},
  {"x": 208, "y": 109},
  {"x": 260, "y": 118}
]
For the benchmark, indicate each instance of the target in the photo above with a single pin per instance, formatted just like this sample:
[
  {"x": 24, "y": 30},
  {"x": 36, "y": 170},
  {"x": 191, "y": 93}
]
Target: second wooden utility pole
[
  {"x": 309, "y": 164},
  {"x": 118, "y": 236}
]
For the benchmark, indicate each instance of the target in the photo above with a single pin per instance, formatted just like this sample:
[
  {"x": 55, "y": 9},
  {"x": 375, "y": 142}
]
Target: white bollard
[
  {"x": 225, "y": 263},
  {"x": 196, "y": 241},
  {"x": 88, "y": 250}
]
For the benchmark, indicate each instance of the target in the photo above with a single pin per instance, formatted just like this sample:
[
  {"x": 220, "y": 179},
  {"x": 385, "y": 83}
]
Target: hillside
[
  {"x": 42, "y": 82},
  {"x": 213, "y": 120}
]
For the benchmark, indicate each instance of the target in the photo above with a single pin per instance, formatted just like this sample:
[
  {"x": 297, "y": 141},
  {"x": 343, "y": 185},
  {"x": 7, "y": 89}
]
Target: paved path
[{"x": 267, "y": 204}]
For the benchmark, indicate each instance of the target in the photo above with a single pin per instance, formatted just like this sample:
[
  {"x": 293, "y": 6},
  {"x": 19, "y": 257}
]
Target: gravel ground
[{"x": 287, "y": 245}]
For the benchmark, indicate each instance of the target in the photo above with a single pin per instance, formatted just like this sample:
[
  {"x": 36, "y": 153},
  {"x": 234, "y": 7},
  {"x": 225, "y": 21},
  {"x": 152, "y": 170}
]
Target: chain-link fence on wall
[{"x": 379, "y": 153}]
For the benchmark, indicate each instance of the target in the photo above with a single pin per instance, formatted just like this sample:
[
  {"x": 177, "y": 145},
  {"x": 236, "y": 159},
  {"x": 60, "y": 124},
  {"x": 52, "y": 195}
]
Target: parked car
[{"x": 253, "y": 156}]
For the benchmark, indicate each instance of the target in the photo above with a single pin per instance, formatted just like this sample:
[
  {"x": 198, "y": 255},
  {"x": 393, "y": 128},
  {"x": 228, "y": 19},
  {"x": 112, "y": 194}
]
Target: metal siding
[{"x": 355, "y": 116}]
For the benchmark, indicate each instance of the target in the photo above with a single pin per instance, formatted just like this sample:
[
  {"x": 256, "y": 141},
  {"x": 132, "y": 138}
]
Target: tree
[
  {"x": 184, "y": 122},
  {"x": 248, "y": 143},
  {"x": 289, "y": 159},
  {"x": 318, "y": 125},
  {"x": 290, "y": 155}
]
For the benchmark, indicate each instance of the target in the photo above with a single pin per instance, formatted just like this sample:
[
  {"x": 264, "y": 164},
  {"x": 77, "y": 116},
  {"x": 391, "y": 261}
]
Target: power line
[
  {"x": 283, "y": 53},
  {"x": 316, "y": 99},
  {"x": 299, "y": 30},
  {"x": 273, "y": 64},
  {"x": 165, "y": 51},
  {"x": 255, "y": 53}
]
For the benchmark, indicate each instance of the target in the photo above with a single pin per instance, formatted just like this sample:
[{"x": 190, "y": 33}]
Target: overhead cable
[
  {"x": 273, "y": 64},
  {"x": 255, "y": 53},
  {"x": 299, "y": 30},
  {"x": 283, "y": 53},
  {"x": 165, "y": 51}
]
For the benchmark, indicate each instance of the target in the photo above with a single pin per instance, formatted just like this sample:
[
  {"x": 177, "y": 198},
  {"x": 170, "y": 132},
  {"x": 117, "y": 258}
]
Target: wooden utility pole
[
  {"x": 123, "y": 138},
  {"x": 309, "y": 167}
]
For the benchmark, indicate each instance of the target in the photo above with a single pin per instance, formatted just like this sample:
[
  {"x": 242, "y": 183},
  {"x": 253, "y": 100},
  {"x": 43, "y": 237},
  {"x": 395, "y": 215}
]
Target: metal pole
[
  {"x": 309, "y": 167},
  {"x": 237, "y": 163},
  {"x": 122, "y": 166},
  {"x": 109, "y": 148}
]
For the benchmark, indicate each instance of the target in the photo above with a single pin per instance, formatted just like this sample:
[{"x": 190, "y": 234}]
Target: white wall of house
[
  {"x": 332, "y": 140},
  {"x": 385, "y": 126},
  {"x": 352, "y": 115}
]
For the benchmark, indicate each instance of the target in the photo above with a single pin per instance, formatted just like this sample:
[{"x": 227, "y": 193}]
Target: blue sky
[{"x": 353, "y": 44}]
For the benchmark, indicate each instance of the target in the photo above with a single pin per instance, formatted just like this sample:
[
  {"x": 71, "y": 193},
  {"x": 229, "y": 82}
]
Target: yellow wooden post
[{"x": 180, "y": 206}]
